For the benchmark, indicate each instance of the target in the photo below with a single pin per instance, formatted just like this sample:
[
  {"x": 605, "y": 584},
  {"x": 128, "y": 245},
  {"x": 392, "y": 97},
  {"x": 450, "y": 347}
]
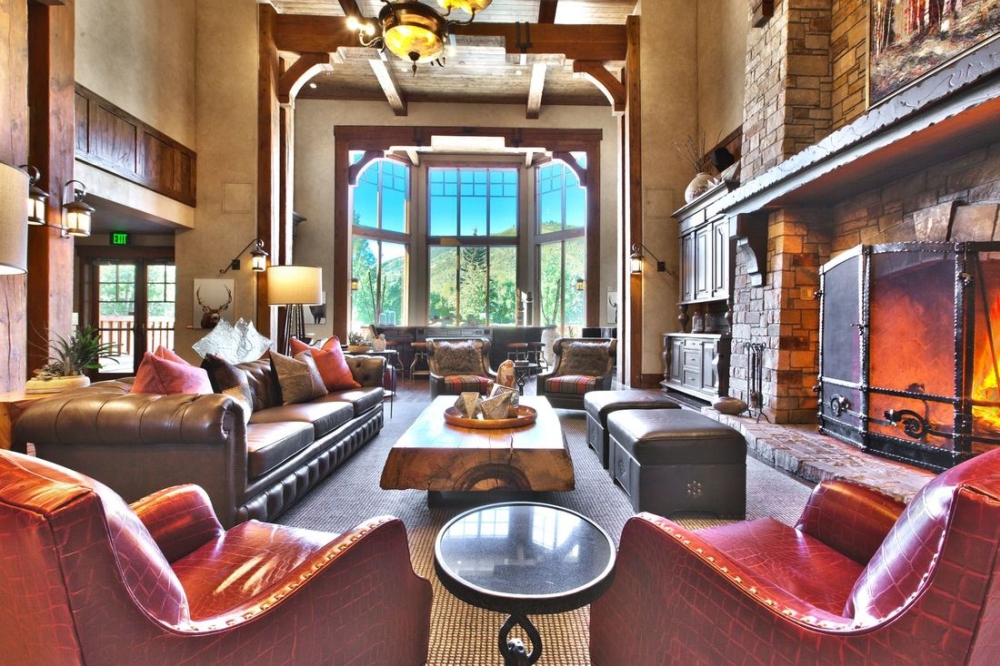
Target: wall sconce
[
  {"x": 355, "y": 283},
  {"x": 580, "y": 284},
  {"x": 13, "y": 211},
  {"x": 36, "y": 196},
  {"x": 258, "y": 258},
  {"x": 76, "y": 214},
  {"x": 636, "y": 259}
]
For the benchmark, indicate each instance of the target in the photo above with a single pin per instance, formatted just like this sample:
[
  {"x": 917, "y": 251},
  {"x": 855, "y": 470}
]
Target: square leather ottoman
[
  {"x": 599, "y": 404},
  {"x": 674, "y": 460}
]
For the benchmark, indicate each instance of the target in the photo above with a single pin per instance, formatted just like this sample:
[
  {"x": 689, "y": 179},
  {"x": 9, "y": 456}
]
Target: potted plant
[
  {"x": 356, "y": 343},
  {"x": 69, "y": 360}
]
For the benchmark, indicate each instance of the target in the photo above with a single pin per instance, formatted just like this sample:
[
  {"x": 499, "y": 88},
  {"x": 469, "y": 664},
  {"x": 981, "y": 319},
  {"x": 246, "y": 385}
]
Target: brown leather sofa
[
  {"x": 861, "y": 579},
  {"x": 137, "y": 443},
  {"x": 86, "y": 579}
]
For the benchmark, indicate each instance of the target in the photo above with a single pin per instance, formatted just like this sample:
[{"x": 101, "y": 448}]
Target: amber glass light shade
[
  {"x": 413, "y": 31},
  {"x": 467, "y": 6}
]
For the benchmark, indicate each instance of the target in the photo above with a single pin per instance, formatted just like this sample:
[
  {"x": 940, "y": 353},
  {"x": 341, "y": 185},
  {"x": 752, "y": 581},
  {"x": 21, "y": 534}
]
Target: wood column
[
  {"x": 268, "y": 162},
  {"x": 13, "y": 151},
  {"x": 632, "y": 200},
  {"x": 52, "y": 141}
]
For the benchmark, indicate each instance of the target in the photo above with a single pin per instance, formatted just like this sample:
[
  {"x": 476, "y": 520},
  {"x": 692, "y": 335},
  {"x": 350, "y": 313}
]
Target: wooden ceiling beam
[
  {"x": 605, "y": 81},
  {"x": 535, "y": 89},
  {"x": 390, "y": 86},
  {"x": 307, "y": 66},
  {"x": 302, "y": 33},
  {"x": 547, "y": 11}
]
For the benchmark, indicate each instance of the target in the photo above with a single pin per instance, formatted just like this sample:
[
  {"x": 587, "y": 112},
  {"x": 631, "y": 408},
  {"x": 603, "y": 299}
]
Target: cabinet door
[
  {"x": 677, "y": 360},
  {"x": 720, "y": 259},
  {"x": 709, "y": 366},
  {"x": 702, "y": 262},
  {"x": 687, "y": 267}
]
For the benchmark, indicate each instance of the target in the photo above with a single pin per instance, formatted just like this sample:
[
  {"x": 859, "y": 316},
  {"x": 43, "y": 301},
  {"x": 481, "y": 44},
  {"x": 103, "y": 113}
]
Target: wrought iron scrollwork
[
  {"x": 839, "y": 404},
  {"x": 914, "y": 424}
]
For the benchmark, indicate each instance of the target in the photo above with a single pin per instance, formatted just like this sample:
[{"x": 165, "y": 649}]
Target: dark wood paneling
[
  {"x": 13, "y": 151},
  {"x": 111, "y": 139}
]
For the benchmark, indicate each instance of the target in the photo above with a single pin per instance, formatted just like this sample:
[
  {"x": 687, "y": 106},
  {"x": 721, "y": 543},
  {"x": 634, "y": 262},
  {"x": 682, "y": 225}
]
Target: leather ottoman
[
  {"x": 678, "y": 460},
  {"x": 601, "y": 403}
]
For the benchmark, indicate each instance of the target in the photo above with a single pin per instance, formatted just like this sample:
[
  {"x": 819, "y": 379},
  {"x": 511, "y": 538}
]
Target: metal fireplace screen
[{"x": 910, "y": 350}]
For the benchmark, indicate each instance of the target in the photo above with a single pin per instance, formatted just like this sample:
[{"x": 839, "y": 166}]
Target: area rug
[{"x": 462, "y": 635}]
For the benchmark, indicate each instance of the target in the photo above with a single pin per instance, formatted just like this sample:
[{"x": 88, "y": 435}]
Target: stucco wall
[
  {"x": 722, "y": 52},
  {"x": 140, "y": 56},
  {"x": 226, "y": 138},
  {"x": 316, "y": 122}
]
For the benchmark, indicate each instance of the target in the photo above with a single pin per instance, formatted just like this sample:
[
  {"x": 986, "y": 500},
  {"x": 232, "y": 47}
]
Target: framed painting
[{"x": 909, "y": 39}]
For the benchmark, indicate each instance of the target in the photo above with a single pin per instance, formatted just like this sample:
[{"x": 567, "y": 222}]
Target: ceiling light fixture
[{"x": 415, "y": 32}]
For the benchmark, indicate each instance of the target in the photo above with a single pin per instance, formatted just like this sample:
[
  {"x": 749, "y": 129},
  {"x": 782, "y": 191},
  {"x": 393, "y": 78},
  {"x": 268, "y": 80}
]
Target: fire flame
[{"x": 985, "y": 383}]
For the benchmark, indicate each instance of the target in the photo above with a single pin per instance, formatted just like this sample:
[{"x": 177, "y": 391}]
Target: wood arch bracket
[
  {"x": 571, "y": 162},
  {"x": 307, "y": 66},
  {"x": 605, "y": 81}
]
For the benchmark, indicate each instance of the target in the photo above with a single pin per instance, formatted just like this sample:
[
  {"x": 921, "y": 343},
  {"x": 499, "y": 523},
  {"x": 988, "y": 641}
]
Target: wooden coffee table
[{"x": 435, "y": 456}]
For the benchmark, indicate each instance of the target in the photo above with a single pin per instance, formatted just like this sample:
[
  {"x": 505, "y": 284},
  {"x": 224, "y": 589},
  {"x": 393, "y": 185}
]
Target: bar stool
[
  {"x": 419, "y": 367},
  {"x": 517, "y": 351},
  {"x": 536, "y": 355},
  {"x": 395, "y": 360}
]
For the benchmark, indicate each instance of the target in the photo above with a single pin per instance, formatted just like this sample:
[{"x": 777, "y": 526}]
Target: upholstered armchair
[
  {"x": 85, "y": 578},
  {"x": 861, "y": 579},
  {"x": 581, "y": 365},
  {"x": 458, "y": 365}
]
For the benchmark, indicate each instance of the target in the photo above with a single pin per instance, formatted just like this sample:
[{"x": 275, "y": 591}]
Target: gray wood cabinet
[{"x": 696, "y": 364}]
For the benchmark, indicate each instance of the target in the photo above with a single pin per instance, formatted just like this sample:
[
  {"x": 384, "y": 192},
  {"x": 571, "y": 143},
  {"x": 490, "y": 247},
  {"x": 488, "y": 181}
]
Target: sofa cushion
[
  {"x": 584, "y": 358},
  {"x": 458, "y": 358},
  {"x": 229, "y": 380},
  {"x": 164, "y": 377},
  {"x": 270, "y": 444},
  {"x": 456, "y": 384},
  {"x": 570, "y": 384},
  {"x": 325, "y": 416},
  {"x": 330, "y": 362},
  {"x": 361, "y": 399},
  {"x": 298, "y": 378}
]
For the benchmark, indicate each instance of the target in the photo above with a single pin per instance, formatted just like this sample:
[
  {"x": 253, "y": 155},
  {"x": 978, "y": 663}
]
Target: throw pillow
[
  {"x": 229, "y": 380},
  {"x": 336, "y": 374},
  {"x": 169, "y": 354},
  {"x": 298, "y": 377},
  {"x": 458, "y": 358},
  {"x": 165, "y": 377},
  {"x": 584, "y": 358}
]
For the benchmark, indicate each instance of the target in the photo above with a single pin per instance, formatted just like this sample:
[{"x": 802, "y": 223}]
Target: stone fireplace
[{"x": 922, "y": 168}]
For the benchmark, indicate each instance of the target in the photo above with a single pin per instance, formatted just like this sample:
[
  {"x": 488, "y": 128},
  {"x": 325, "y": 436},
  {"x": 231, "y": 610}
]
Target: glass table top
[{"x": 523, "y": 551}]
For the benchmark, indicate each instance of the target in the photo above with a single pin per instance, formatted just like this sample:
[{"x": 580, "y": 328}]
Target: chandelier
[{"x": 414, "y": 31}]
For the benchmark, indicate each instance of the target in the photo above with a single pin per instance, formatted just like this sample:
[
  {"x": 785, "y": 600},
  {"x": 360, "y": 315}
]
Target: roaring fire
[{"x": 985, "y": 383}]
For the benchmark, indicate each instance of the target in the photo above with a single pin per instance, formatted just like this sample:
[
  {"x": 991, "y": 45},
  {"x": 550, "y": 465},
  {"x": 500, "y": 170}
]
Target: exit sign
[{"x": 120, "y": 238}]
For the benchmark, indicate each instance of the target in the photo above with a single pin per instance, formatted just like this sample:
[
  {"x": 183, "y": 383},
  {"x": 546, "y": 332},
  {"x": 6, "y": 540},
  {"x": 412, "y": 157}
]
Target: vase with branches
[{"x": 692, "y": 151}]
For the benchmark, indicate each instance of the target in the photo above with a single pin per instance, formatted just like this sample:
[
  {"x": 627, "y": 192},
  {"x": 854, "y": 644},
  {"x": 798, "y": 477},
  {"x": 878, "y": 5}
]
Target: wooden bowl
[{"x": 525, "y": 417}]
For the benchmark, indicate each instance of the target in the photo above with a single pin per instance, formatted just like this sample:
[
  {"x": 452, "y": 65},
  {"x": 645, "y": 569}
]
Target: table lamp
[{"x": 294, "y": 286}]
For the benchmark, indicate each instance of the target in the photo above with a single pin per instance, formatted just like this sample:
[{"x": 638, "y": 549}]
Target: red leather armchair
[
  {"x": 860, "y": 579},
  {"x": 84, "y": 578}
]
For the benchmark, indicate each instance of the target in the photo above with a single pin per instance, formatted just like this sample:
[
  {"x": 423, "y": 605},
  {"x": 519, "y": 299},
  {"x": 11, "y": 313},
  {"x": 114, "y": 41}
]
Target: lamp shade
[
  {"x": 413, "y": 31},
  {"x": 294, "y": 285},
  {"x": 13, "y": 220}
]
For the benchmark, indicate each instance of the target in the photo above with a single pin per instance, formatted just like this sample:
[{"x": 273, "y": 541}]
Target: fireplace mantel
[{"x": 953, "y": 111}]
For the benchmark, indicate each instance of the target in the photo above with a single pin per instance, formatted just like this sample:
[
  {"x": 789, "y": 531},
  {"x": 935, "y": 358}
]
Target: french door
[{"x": 132, "y": 301}]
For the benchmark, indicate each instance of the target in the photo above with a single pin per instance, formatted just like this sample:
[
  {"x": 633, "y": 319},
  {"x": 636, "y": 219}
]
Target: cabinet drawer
[
  {"x": 692, "y": 358},
  {"x": 692, "y": 377}
]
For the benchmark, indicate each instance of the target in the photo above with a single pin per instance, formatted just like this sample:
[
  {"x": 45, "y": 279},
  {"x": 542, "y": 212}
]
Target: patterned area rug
[{"x": 462, "y": 635}]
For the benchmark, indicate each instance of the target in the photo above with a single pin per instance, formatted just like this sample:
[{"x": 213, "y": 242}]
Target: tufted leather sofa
[
  {"x": 86, "y": 579},
  {"x": 137, "y": 443},
  {"x": 861, "y": 579}
]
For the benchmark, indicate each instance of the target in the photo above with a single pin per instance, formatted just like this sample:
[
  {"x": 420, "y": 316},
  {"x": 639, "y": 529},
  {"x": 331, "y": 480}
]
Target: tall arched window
[{"x": 560, "y": 235}]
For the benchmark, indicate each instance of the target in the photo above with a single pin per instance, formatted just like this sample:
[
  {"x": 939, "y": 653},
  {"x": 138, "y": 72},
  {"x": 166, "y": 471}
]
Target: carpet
[{"x": 462, "y": 635}]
